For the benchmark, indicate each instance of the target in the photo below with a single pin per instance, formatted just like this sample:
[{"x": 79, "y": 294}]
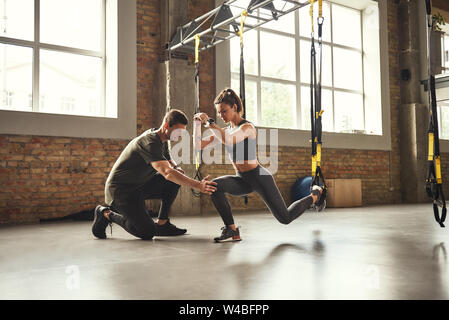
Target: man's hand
[{"x": 207, "y": 187}]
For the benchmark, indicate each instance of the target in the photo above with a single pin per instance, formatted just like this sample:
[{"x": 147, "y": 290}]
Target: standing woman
[{"x": 239, "y": 139}]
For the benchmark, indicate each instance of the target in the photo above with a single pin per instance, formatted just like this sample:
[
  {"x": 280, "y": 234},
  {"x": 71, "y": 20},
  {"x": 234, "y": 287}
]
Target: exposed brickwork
[
  {"x": 148, "y": 51},
  {"x": 206, "y": 61},
  {"x": 48, "y": 177}
]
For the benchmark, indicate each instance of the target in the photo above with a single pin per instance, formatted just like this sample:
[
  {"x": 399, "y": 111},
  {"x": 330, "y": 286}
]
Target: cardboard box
[{"x": 344, "y": 193}]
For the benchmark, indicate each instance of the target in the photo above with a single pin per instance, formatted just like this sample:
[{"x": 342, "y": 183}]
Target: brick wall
[
  {"x": 206, "y": 60},
  {"x": 44, "y": 177},
  {"x": 148, "y": 50},
  {"x": 48, "y": 177}
]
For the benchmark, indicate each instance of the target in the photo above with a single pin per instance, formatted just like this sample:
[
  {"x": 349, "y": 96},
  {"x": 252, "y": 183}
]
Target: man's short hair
[{"x": 175, "y": 116}]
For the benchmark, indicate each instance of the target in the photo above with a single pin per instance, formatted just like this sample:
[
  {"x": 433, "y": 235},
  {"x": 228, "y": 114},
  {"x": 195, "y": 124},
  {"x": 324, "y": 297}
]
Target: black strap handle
[
  {"x": 437, "y": 215},
  {"x": 428, "y": 7}
]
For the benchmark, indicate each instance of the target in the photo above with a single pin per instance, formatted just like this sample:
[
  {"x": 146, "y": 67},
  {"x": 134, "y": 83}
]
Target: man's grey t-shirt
[{"x": 133, "y": 167}]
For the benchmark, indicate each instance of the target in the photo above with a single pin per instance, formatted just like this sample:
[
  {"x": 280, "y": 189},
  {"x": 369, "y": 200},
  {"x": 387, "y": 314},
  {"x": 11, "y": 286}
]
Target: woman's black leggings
[{"x": 261, "y": 181}]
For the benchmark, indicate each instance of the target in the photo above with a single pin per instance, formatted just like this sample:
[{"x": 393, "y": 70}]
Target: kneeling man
[{"x": 145, "y": 170}]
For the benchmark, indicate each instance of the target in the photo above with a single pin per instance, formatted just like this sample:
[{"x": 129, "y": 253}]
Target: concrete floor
[{"x": 384, "y": 252}]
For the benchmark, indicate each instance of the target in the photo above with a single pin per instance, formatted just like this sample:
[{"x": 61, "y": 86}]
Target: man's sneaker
[
  {"x": 228, "y": 235},
  {"x": 168, "y": 229},
  {"x": 100, "y": 223}
]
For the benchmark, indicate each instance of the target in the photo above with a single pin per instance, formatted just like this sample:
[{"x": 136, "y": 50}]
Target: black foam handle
[
  {"x": 428, "y": 6},
  {"x": 439, "y": 220}
]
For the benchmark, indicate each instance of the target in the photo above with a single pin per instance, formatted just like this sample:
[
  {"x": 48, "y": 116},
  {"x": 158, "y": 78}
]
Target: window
[
  {"x": 53, "y": 51},
  {"x": 442, "y": 87},
  {"x": 443, "y": 119},
  {"x": 119, "y": 100},
  {"x": 445, "y": 53},
  {"x": 277, "y": 69}
]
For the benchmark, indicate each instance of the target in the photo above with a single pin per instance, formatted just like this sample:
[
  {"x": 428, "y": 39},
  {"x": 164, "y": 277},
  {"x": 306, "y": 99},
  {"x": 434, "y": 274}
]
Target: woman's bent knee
[{"x": 282, "y": 219}]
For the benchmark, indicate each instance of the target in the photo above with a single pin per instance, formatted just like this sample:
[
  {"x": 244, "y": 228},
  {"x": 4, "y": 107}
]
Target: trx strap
[
  {"x": 197, "y": 152},
  {"x": 242, "y": 63},
  {"x": 242, "y": 71},
  {"x": 434, "y": 181},
  {"x": 315, "y": 108}
]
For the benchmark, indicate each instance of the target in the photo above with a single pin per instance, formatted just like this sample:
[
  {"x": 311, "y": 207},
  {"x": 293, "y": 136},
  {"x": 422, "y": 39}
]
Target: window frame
[
  {"x": 36, "y": 45},
  {"x": 120, "y": 87},
  {"x": 445, "y": 61}
]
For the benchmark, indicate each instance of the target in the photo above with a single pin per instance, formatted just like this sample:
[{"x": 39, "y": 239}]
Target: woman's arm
[
  {"x": 224, "y": 136},
  {"x": 199, "y": 143},
  {"x": 247, "y": 130}
]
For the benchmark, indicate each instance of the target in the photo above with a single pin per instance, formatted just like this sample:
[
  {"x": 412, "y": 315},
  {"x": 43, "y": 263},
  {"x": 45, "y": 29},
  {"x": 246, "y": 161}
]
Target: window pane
[
  {"x": 326, "y": 105},
  {"x": 305, "y": 23},
  {"x": 249, "y": 53},
  {"x": 373, "y": 113},
  {"x": 444, "y": 119},
  {"x": 445, "y": 56},
  {"x": 16, "y": 76},
  {"x": 70, "y": 84},
  {"x": 304, "y": 48},
  {"x": 346, "y": 26},
  {"x": 348, "y": 112},
  {"x": 277, "y": 55},
  {"x": 17, "y": 19},
  {"x": 347, "y": 69},
  {"x": 250, "y": 94},
  {"x": 278, "y": 105},
  {"x": 285, "y": 23},
  {"x": 72, "y": 23}
]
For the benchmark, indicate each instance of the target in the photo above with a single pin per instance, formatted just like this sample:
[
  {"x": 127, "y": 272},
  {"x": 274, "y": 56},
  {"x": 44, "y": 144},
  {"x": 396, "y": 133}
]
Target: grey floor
[{"x": 384, "y": 252}]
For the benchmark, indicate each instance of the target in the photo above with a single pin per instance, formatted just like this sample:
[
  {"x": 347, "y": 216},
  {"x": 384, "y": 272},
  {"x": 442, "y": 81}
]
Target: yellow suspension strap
[
  {"x": 315, "y": 111},
  {"x": 311, "y": 14},
  {"x": 243, "y": 17},
  {"x": 312, "y": 95},
  {"x": 434, "y": 181},
  {"x": 197, "y": 153}
]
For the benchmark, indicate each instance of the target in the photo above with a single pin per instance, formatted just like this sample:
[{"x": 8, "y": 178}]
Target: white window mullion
[
  {"x": 103, "y": 51},
  {"x": 53, "y": 47},
  {"x": 332, "y": 68},
  {"x": 259, "y": 84},
  {"x": 363, "y": 73},
  {"x": 36, "y": 55},
  {"x": 331, "y": 43},
  {"x": 298, "y": 118}
]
